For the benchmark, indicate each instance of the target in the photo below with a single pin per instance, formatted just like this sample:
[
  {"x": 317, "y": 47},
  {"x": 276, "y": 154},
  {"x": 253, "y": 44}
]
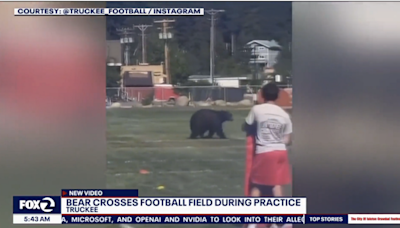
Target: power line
[
  {"x": 126, "y": 38},
  {"x": 212, "y": 13},
  {"x": 165, "y": 35},
  {"x": 143, "y": 28}
]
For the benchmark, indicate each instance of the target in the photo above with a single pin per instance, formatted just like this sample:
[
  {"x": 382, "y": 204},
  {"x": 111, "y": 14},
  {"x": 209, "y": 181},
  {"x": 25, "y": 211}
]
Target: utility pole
[
  {"x": 256, "y": 69},
  {"x": 126, "y": 35},
  {"x": 165, "y": 35},
  {"x": 212, "y": 13},
  {"x": 143, "y": 28}
]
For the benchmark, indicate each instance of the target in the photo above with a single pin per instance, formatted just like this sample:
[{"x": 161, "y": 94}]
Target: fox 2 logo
[{"x": 46, "y": 204}]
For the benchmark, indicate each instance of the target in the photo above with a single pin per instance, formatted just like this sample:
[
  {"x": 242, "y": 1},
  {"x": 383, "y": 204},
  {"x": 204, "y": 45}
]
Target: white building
[
  {"x": 233, "y": 82},
  {"x": 264, "y": 52}
]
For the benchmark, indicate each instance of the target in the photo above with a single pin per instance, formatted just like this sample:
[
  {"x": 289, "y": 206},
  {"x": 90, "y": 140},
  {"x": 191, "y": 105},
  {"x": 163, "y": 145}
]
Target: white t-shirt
[{"x": 272, "y": 123}]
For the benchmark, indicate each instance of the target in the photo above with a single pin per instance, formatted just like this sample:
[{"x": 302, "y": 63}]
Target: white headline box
[{"x": 184, "y": 206}]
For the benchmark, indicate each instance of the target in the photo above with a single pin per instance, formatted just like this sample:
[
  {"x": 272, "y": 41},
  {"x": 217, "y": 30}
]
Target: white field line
[
  {"x": 193, "y": 140},
  {"x": 220, "y": 148},
  {"x": 180, "y": 160},
  {"x": 172, "y": 172},
  {"x": 175, "y": 140},
  {"x": 186, "y": 160},
  {"x": 126, "y": 226}
]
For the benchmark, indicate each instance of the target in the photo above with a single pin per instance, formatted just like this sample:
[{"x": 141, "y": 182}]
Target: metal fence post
[
  {"x": 225, "y": 94},
  {"x": 190, "y": 95},
  {"x": 162, "y": 95},
  {"x": 193, "y": 94}
]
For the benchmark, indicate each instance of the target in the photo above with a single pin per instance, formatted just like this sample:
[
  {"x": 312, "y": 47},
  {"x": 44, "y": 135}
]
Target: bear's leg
[
  {"x": 220, "y": 132},
  {"x": 202, "y": 132},
  {"x": 211, "y": 133},
  {"x": 193, "y": 135}
]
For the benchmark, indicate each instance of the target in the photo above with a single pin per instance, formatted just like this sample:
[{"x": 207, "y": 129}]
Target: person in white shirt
[{"x": 271, "y": 128}]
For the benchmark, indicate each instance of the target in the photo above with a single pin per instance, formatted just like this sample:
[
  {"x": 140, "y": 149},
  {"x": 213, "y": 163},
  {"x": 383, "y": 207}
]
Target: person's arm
[
  {"x": 249, "y": 123},
  {"x": 287, "y": 138}
]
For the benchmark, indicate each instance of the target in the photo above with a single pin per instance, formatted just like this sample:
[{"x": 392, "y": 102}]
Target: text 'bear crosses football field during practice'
[{"x": 149, "y": 150}]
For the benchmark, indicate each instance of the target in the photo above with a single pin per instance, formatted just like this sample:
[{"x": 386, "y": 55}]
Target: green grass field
[{"x": 156, "y": 140}]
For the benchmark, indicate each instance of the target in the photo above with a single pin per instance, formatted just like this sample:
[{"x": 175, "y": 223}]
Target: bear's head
[{"x": 225, "y": 116}]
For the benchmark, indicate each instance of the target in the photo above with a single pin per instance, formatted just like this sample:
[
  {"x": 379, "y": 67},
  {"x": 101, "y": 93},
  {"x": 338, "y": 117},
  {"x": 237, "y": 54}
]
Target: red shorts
[{"x": 271, "y": 168}]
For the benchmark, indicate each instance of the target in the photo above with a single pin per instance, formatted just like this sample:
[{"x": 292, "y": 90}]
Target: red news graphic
[{"x": 374, "y": 219}]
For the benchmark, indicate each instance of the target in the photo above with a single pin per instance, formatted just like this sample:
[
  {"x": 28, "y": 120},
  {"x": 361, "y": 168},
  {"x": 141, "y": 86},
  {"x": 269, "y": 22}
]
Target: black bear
[{"x": 209, "y": 120}]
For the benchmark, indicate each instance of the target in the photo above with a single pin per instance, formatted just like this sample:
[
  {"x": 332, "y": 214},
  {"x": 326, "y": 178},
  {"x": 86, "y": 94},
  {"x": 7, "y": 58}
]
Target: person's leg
[
  {"x": 287, "y": 226},
  {"x": 278, "y": 191},
  {"x": 255, "y": 192},
  {"x": 261, "y": 191}
]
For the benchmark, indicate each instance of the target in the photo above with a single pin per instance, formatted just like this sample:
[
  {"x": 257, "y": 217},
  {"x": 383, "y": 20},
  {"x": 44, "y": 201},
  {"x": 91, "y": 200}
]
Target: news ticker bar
[
  {"x": 108, "y": 11},
  {"x": 207, "y": 219}
]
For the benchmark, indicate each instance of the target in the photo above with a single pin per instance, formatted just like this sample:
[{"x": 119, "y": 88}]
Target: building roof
[{"x": 266, "y": 43}]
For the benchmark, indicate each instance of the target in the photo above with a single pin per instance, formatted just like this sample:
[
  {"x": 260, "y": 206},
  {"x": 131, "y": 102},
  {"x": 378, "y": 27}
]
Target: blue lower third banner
[{"x": 204, "y": 219}]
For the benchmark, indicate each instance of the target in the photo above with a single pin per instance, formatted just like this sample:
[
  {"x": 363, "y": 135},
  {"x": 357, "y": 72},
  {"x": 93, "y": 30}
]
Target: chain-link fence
[{"x": 193, "y": 93}]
